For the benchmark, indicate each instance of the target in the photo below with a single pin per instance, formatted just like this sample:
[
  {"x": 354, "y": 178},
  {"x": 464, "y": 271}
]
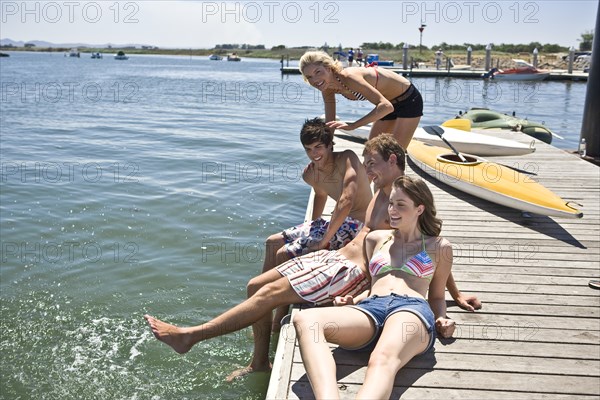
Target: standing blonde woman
[
  {"x": 407, "y": 265},
  {"x": 398, "y": 103}
]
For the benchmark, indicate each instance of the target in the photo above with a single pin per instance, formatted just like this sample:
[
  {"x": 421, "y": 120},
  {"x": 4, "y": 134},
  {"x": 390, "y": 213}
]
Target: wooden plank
[
  {"x": 510, "y": 288},
  {"x": 473, "y": 362},
  {"x": 282, "y": 365},
  {"x": 509, "y": 348},
  {"x": 532, "y": 299},
  {"x": 475, "y": 380},
  {"x": 540, "y": 310},
  {"x": 302, "y": 390}
]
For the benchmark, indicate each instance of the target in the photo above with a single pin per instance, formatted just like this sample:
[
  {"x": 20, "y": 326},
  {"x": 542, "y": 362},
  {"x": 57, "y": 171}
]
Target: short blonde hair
[{"x": 319, "y": 57}]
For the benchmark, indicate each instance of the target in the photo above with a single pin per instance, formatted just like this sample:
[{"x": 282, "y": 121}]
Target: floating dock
[
  {"x": 556, "y": 75},
  {"x": 538, "y": 334}
]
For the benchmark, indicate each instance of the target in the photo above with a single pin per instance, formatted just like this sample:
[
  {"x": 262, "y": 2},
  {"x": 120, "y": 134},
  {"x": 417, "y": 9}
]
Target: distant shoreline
[{"x": 502, "y": 60}]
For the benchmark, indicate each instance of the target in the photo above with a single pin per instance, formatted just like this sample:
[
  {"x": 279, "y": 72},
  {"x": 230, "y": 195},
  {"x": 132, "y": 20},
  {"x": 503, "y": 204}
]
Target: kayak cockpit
[{"x": 455, "y": 159}]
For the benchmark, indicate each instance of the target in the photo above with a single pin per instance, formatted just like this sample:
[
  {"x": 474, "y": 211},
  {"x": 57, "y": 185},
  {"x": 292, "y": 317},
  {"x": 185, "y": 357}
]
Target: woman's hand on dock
[
  {"x": 468, "y": 302},
  {"x": 445, "y": 327}
]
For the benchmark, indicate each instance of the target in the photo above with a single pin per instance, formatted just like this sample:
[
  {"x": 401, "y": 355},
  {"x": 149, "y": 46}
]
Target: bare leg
[
  {"x": 261, "y": 329},
  {"x": 244, "y": 314},
  {"x": 380, "y": 127},
  {"x": 272, "y": 246},
  {"x": 275, "y": 255},
  {"x": 280, "y": 312},
  {"x": 346, "y": 326},
  {"x": 404, "y": 336},
  {"x": 402, "y": 129}
]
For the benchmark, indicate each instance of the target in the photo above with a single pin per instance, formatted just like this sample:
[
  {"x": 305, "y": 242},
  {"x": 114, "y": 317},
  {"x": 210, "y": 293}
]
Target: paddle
[
  {"x": 458, "y": 123},
  {"x": 439, "y": 131}
]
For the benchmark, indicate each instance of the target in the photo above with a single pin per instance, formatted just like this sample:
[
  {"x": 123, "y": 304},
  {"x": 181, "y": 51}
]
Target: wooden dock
[
  {"x": 538, "y": 334},
  {"x": 561, "y": 75}
]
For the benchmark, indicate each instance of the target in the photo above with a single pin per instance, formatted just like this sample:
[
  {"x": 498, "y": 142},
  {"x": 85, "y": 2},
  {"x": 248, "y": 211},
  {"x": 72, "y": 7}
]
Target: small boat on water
[
  {"x": 518, "y": 74},
  {"x": 215, "y": 57},
  {"x": 4, "y": 55},
  {"x": 489, "y": 181},
  {"x": 233, "y": 57},
  {"x": 97, "y": 55},
  {"x": 468, "y": 142},
  {"x": 121, "y": 56},
  {"x": 522, "y": 72},
  {"x": 74, "y": 53},
  {"x": 484, "y": 118}
]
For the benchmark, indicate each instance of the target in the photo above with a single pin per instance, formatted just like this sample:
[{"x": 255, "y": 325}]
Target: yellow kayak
[{"x": 489, "y": 181}]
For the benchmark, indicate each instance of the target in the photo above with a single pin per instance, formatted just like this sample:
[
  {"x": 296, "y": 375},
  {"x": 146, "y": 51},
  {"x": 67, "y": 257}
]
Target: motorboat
[
  {"x": 121, "y": 56},
  {"x": 74, "y": 53},
  {"x": 522, "y": 72},
  {"x": 233, "y": 57},
  {"x": 96, "y": 55},
  {"x": 215, "y": 57}
]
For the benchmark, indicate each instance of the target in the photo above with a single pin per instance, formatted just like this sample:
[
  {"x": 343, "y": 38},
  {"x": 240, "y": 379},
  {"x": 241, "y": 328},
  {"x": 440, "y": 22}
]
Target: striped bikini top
[
  {"x": 419, "y": 265},
  {"x": 357, "y": 96}
]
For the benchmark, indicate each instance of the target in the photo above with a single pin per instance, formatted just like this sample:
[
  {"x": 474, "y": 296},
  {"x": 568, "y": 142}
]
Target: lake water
[{"x": 149, "y": 185}]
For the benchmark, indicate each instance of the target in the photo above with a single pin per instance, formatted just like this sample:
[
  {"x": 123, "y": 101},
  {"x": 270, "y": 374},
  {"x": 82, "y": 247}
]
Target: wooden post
[
  {"x": 535, "y": 58},
  {"x": 590, "y": 127},
  {"x": 488, "y": 57},
  {"x": 469, "y": 51},
  {"x": 571, "y": 59},
  {"x": 405, "y": 56}
]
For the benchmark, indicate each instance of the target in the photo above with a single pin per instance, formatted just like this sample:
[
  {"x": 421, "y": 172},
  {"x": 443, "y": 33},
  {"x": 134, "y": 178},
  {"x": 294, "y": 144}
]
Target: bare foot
[
  {"x": 169, "y": 334},
  {"x": 238, "y": 373}
]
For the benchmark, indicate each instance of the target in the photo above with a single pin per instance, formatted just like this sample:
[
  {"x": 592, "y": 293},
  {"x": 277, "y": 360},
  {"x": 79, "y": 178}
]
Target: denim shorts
[{"x": 380, "y": 308}]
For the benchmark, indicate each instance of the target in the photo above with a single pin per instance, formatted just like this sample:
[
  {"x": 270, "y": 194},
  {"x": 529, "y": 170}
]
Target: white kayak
[{"x": 473, "y": 142}]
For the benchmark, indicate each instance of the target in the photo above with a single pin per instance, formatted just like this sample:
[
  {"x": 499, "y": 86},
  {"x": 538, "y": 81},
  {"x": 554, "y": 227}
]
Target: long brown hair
[{"x": 419, "y": 193}]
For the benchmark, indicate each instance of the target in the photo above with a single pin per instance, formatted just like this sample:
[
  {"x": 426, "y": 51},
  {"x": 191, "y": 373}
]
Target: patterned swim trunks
[
  {"x": 300, "y": 237},
  {"x": 321, "y": 276}
]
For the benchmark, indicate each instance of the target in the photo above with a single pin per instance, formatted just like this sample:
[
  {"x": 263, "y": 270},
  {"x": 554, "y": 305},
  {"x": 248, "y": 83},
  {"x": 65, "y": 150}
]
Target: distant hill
[{"x": 41, "y": 43}]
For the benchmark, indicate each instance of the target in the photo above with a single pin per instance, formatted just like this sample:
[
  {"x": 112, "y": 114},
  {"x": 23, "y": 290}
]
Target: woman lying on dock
[
  {"x": 398, "y": 103},
  {"x": 406, "y": 263}
]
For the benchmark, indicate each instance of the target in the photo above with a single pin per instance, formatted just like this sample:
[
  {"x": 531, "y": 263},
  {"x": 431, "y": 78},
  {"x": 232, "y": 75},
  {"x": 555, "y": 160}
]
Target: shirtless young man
[
  {"x": 338, "y": 175},
  {"x": 314, "y": 278}
]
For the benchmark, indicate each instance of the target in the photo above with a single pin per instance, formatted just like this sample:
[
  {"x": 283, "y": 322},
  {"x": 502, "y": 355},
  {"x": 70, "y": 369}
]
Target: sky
[{"x": 204, "y": 24}]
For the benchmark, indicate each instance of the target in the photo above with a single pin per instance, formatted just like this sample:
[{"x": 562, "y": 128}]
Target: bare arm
[
  {"x": 346, "y": 201},
  {"x": 466, "y": 302},
  {"x": 319, "y": 201},
  {"x": 383, "y": 107},
  {"x": 320, "y": 196},
  {"x": 437, "y": 289},
  {"x": 329, "y": 101}
]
